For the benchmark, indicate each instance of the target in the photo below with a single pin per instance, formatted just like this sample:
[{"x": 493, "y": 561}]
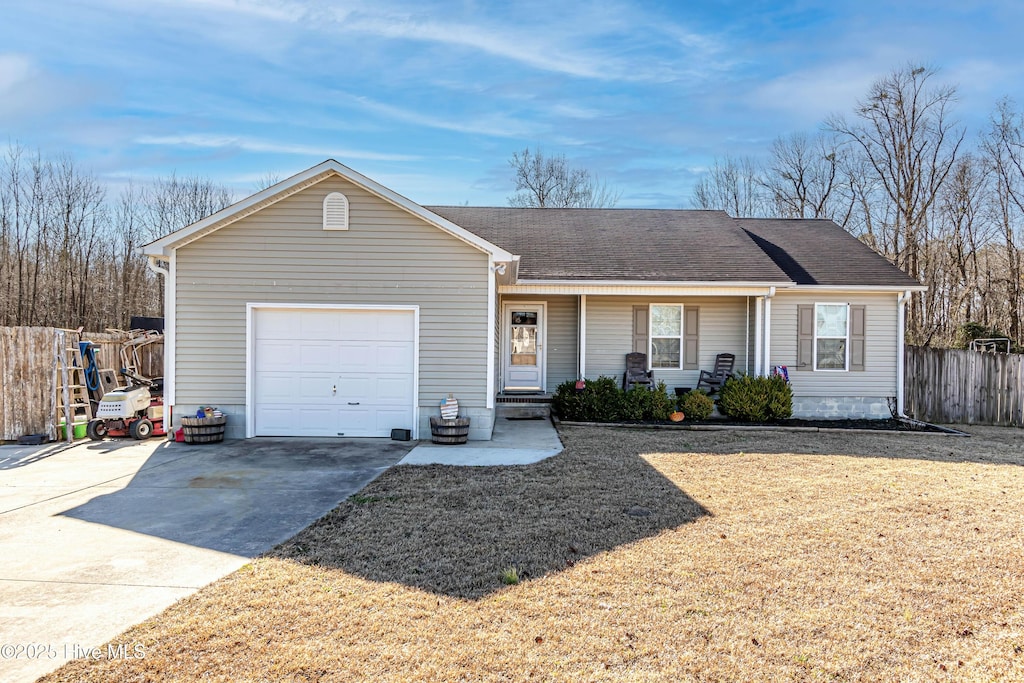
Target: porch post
[
  {"x": 768, "y": 332},
  {"x": 758, "y": 334},
  {"x": 582, "y": 350},
  {"x": 901, "y": 325}
]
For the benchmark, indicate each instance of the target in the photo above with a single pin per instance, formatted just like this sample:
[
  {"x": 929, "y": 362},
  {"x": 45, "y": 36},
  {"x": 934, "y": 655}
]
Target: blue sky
[{"x": 432, "y": 98}]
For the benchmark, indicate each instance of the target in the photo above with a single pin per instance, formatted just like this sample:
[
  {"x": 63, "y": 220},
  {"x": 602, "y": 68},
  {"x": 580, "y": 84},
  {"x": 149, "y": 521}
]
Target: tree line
[
  {"x": 900, "y": 173},
  {"x": 69, "y": 251}
]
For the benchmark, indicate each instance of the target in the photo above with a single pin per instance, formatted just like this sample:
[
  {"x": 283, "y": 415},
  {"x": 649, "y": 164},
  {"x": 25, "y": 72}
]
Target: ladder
[{"x": 73, "y": 406}]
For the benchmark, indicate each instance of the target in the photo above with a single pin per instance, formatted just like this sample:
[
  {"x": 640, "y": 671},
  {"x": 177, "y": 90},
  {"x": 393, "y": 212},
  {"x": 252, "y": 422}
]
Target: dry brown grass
[{"x": 765, "y": 556}]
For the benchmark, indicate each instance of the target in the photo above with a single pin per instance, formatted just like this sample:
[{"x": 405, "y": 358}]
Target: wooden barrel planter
[
  {"x": 203, "y": 429},
  {"x": 449, "y": 431}
]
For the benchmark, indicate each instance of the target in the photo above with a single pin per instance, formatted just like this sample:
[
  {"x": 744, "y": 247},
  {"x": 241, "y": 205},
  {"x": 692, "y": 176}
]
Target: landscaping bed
[{"x": 887, "y": 425}]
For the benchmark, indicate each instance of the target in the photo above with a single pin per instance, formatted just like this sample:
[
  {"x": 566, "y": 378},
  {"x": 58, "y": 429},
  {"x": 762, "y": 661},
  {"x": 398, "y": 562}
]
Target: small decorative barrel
[
  {"x": 449, "y": 431},
  {"x": 203, "y": 429}
]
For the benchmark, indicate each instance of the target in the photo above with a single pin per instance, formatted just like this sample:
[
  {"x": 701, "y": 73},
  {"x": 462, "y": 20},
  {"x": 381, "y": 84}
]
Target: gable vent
[{"x": 335, "y": 211}]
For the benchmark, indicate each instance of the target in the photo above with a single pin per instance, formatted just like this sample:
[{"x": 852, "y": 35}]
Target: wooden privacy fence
[
  {"x": 964, "y": 387},
  {"x": 28, "y": 374},
  {"x": 28, "y": 390}
]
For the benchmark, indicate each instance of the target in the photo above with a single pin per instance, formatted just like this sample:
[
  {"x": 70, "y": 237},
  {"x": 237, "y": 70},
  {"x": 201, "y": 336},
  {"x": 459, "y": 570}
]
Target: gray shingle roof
[
  {"x": 663, "y": 245},
  {"x": 819, "y": 252},
  {"x": 654, "y": 245}
]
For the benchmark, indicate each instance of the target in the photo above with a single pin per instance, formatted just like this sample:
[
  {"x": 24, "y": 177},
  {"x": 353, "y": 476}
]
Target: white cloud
[
  {"x": 503, "y": 43},
  {"x": 810, "y": 95},
  {"x": 15, "y": 69},
  {"x": 252, "y": 145},
  {"x": 496, "y": 125}
]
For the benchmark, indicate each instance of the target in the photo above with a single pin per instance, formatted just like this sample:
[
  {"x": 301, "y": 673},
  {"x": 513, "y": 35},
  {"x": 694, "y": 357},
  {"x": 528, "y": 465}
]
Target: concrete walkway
[
  {"x": 514, "y": 442},
  {"x": 103, "y": 535}
]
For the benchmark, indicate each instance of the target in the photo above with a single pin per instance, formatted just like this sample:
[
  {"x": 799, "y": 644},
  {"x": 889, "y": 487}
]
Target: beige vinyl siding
[
  {"x": 879, "y": 375},
  {"x": 610, "y": 334},
  {"x": 281, "y": 254},
  {"x": 562, "y": 339}
]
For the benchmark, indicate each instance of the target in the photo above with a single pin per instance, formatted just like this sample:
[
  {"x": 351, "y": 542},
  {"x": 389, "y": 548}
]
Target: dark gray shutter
[
  {"x": 857, "y": 338},
  {"x": 640, "y": 329},
  {"x": 805, "y": 337},
  {"x": 692, "y": 335}
]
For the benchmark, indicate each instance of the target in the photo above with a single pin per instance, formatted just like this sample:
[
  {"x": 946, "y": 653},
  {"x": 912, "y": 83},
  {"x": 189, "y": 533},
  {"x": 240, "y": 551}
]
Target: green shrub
[
  {"x": 643, "y": 404},
  {"x": 600, "y": 401},
  {"x": 567, "y": 402},
  {"x": 696, "y": 405},
  {"x": 603, "y": 401},
  {"x": 756, "y": 399}
]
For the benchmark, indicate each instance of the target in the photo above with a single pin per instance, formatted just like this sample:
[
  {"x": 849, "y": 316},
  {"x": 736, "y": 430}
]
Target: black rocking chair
[
  {"x": 714, "y": 380},
  {"x": 637, "y": 372}
]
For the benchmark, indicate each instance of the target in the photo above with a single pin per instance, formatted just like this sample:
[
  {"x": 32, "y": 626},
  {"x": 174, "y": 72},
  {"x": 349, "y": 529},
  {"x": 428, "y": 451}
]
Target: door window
[{"x": 523, "y": 346}]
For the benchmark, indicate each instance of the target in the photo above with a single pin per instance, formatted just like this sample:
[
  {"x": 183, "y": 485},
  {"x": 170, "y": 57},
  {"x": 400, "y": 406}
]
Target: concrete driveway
[{"x": 100, "y": 536}]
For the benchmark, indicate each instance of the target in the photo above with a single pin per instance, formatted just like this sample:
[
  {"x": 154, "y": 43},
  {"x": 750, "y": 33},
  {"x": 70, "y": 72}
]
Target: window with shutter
[
  {"x": 857, "y": 334},
  {"x": 830, "y": 337},
  {"x": 691, "y": 331},
  {"x": 640, "y": 328},
  {"x": 805, "y": 337},
  {"x": 666, "y": 336},
  {"x": 335, "y": 211}
]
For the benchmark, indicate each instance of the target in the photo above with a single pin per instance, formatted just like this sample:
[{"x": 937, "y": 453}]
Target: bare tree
[
  {"x": 265, "y": 181},
  {"x": 1003, "y": 144},
  {"x": 547, "y": 182},
  {"x": 804, "y": 178},
  {"x": 68, "y": 257},
  {"x": 734, "y": 185},
  {"x": 903, "y": 129}
]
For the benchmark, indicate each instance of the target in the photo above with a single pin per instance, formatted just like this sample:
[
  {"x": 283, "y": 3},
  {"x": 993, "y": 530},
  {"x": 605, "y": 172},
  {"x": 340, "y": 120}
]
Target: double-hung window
[
  {"x": 831, "y": 336},
  {"x": 666, "y": 335}
]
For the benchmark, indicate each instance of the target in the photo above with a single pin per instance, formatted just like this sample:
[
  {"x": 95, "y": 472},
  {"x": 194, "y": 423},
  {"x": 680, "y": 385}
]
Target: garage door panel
[
  {"x": 355, "y": 420},
  {"x": 392, "y": 390},
  {"x": 275, "y": 355},
  {"x": 314, "y": 389},
  {"x": 355, "y": 388},
  {"x": 394, "y": 356},
  {"x": 319, "y": 325},
  {"x": 387, "y": 419},
  {"x": 316, "y": 356},
  {"x": 325, "y": 372},
  {"x": 353, "y": 354},
  {"x": 277, "y": 324},
  {"x": 359, "y": 325},
  {"x": 395, "y": 326},
  {"x": 275, "y": 387}
]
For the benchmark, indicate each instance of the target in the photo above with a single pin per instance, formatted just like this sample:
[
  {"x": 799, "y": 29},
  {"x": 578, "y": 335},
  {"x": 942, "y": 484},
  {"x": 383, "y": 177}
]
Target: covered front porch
[{"x": 550, "y": 335}]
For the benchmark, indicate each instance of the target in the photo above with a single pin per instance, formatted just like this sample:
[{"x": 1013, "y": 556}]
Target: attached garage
[{"x": 319, "y": 370}]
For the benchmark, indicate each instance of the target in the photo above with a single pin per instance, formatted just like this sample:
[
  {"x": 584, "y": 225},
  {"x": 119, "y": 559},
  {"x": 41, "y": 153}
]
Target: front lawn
[{"x": 643, "y": 555}]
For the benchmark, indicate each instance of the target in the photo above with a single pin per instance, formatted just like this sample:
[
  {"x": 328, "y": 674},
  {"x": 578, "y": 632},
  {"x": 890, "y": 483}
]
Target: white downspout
[
  {"x": 758, "y": 334},
  {"x": 159, "y": 270},
  {"x": 583, "y": 337},
  {"x": 153, "y": 263},
  {"x": 768, "y": 331},
  {"x": 901, "y": 320},
  {"x": 492, "y": 302}
]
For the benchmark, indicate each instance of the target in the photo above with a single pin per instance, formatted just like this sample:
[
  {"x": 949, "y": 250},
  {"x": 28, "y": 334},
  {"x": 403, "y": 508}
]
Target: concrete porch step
[{"x": 522, "y": 405}]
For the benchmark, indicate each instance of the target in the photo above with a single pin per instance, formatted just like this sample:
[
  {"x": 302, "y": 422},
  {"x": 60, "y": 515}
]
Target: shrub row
[
  {"x": 747, "y": 398},
  {"x": 603, "y": 401}
]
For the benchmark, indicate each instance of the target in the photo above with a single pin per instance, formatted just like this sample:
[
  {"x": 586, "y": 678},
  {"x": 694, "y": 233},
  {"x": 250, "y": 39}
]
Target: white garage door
[{"x": 329, "y": 372}]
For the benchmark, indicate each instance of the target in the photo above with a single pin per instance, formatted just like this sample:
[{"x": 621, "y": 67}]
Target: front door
[{"x": 523, "y": 350}]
